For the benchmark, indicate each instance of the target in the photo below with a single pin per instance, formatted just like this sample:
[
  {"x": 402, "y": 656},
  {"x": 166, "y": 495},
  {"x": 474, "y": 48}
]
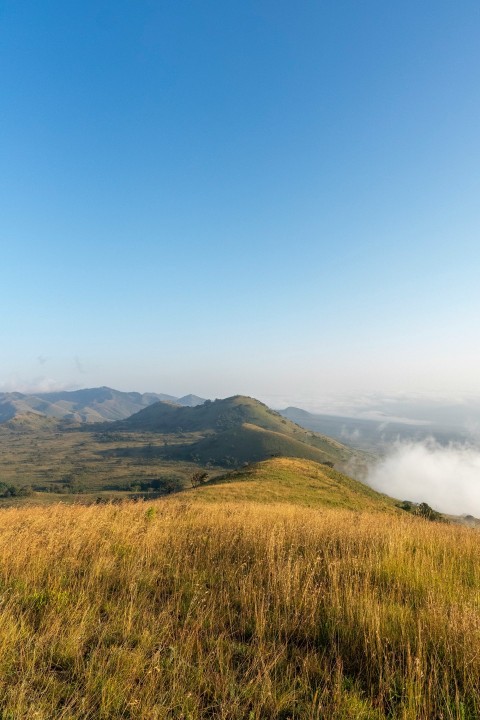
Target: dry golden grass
[
  {"x": 233, "y": 611},
  {"x": 296, "y": 481}
]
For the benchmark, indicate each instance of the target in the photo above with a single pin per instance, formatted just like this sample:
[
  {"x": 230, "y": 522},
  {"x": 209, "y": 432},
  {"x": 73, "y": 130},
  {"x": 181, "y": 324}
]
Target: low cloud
[
  {"x": 351, "y": 436},
  {"x": 447, "y": 478}
]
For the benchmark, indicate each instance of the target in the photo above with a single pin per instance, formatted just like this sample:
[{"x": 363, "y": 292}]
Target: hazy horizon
[{"x": 452, "y": 411}]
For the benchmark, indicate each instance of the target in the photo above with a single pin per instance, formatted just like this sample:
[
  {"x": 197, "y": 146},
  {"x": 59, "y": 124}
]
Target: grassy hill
[
  {"x": 292, "y": 480},
  {"x": 250, "y": 443},
  {"x": 215, "y": 416},
  {"x": 234, "y": 431}
]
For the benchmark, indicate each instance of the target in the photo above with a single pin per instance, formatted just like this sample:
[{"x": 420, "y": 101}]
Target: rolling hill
[
  {"x": 232, "y": 432},
  {"x": 296, "y": 481}
]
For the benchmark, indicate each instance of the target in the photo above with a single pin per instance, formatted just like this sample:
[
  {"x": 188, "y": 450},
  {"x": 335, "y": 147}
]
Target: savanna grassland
[
  {"x": 54, "y": 463},
  {"x": 188, "y": 609}
]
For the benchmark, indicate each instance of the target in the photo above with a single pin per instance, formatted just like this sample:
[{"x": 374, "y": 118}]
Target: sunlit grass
[
  {"x": 181, "y": 610},
  {"x": 296, "y": 481}
]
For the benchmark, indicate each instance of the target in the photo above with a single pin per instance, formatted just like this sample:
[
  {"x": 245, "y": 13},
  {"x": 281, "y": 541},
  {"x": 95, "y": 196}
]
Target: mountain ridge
[{"x": 87, "y": 405}]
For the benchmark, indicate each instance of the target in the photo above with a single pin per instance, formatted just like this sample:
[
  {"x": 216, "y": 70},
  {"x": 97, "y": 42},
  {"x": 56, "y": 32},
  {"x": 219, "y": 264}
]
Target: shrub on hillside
[
  {"x": 198, "y": 478},
  {"x": 14, "y": 491}
]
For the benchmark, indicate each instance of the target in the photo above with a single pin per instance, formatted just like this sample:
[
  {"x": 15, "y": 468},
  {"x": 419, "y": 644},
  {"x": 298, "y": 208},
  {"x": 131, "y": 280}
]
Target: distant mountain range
[
  {"x": 89, "y": 405},
  {"x": 375, "y": 436}
]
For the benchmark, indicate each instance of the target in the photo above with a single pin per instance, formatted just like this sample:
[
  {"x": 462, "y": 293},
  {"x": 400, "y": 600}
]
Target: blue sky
[{"x": 268, "y": 198}]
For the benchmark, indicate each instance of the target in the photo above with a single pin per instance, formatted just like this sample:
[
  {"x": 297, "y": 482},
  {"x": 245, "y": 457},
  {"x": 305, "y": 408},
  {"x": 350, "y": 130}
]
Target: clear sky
[{"x": 272, "y": 198}]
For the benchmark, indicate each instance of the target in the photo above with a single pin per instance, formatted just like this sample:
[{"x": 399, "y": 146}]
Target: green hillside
[
  {"x": 250, "y": 443},
  {"x": 217, "y": 416},
  {"x": 296, "y": 481},
  {"x": 234, "y": 431}
]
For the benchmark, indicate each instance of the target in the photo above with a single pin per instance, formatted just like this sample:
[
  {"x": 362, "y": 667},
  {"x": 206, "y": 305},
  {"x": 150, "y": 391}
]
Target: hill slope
[
  {"x": 250, "y": 443},
  {"x": 234, "y": 431},
  {"x": 297, "y": 481}
]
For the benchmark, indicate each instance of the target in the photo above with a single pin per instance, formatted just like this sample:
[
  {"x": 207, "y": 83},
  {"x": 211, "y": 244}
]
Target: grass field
[
  {"x": 85, "y": 464},
  {"x": 196, "y": 610}
]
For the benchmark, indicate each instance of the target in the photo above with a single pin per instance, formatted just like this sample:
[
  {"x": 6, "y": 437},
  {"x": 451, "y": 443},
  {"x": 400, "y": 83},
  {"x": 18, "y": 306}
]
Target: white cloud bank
[{"x": 447, "y": 478}]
